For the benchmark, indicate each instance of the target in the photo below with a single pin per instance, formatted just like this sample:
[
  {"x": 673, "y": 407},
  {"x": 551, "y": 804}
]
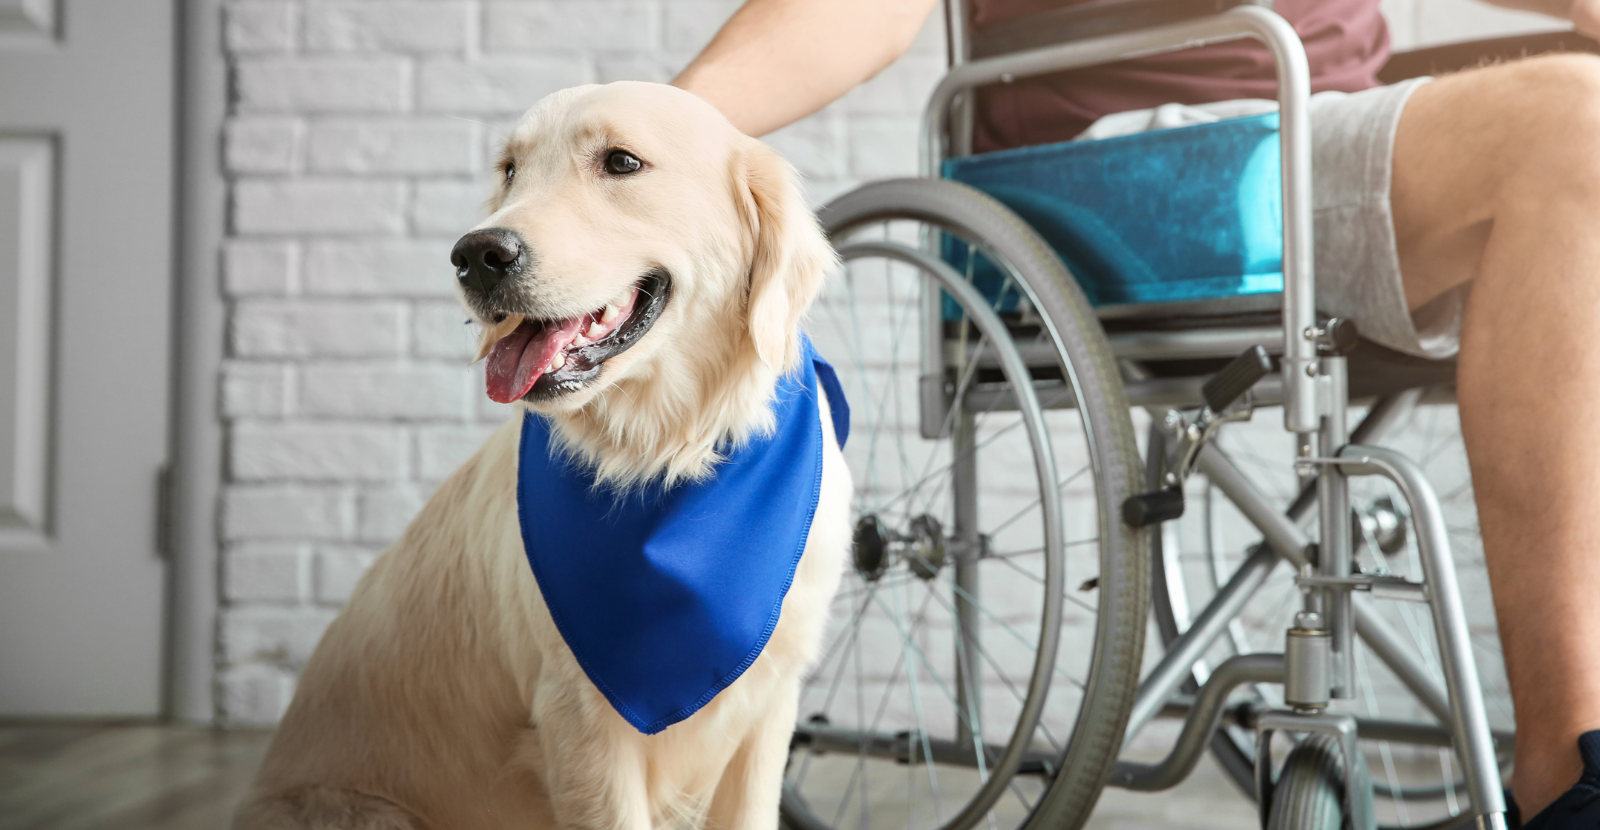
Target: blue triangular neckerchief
[{"x": 666, "y": 596}]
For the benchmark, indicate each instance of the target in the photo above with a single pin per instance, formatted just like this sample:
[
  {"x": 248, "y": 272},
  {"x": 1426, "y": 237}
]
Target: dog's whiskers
[{"x": 625, "y": 393}]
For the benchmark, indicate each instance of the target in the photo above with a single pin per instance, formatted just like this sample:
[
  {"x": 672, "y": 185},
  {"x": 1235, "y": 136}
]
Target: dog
[{"x": 641, "y": 280}]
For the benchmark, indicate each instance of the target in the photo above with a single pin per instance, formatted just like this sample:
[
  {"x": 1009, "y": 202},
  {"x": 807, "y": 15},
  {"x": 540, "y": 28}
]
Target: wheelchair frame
[{"x": 1314, "y": 390}]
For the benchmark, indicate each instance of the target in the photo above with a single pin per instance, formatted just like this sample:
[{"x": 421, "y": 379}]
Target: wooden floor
[
  {"x": 154, "y": 777},
  {"x": 123, "y": 777}
]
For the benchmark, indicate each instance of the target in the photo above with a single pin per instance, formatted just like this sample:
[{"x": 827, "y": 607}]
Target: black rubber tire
[
  {"x": 1124, "y": 579},
  {"x": 1309, "y": 794}
]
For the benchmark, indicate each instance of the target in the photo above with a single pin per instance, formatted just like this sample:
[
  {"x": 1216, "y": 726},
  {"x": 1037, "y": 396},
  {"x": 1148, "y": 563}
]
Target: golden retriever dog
[{"x": 646, "y": 267}]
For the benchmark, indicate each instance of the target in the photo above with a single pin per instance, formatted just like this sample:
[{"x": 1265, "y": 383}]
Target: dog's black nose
[{"x": 484, "y": 258}]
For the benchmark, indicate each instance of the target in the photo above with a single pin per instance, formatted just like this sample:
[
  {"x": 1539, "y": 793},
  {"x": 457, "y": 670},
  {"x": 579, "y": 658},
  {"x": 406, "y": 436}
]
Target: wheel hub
[
  {"x": 924, "y": 548},
  {"x": 870, "y": 548},
  {"x": 1382, "y": 522},
  {"x": 875, "y": 547}
]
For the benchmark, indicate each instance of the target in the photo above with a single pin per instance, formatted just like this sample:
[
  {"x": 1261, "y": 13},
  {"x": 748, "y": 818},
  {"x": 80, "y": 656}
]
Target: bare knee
[
  {"x": 1549, "y": 85},
  {"x": 1552, "y": 108},
  {"x": 1475, "y": 142}
]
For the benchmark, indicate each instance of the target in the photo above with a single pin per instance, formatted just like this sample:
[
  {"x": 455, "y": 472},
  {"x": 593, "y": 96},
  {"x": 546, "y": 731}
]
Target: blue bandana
[{"x": 667, "y": 595}]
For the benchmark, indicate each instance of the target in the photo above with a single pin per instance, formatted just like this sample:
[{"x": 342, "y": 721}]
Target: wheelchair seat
[
  {"x": 1183, "y": 214},
  {"x": 1213, "y": 261}
]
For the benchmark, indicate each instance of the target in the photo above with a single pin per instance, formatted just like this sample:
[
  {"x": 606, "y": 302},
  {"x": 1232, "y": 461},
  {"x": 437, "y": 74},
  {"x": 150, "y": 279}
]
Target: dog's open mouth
[{"x": 540, "y": 359}]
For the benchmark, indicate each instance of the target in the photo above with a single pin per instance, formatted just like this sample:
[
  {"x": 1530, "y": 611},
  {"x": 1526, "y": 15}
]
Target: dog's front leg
[
  {"x": 747, "y": 796},
  {"x": 592, "y": 762}
]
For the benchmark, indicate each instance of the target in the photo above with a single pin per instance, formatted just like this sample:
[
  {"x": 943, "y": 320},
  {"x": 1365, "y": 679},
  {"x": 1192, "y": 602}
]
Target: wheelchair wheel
[
  {"x": 1309, "y": 794},
  {"x": 1417, "y": 781},
  {"x": 946, "y": 695}
]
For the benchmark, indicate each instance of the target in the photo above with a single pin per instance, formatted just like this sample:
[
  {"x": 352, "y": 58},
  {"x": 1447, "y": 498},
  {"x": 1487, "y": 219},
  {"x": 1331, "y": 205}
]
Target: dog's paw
[{"x": 324, "y": 808}]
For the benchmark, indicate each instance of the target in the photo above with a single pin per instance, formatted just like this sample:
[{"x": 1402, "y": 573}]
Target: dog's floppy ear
[{"x": 790, "y": 256}]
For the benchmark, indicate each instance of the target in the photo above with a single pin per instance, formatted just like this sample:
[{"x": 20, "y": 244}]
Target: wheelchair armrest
[
  {"x": 1093, "y": 19},
  {"x": 1451, "y": 57}
]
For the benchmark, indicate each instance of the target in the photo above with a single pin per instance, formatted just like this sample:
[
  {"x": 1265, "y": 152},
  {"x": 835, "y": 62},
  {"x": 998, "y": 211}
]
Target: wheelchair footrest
[{"x": 1147, "y": 509}]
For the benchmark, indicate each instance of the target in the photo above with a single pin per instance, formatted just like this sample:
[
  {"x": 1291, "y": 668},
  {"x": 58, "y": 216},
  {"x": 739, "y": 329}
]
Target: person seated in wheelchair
[{"x": 1454, "y": 216}]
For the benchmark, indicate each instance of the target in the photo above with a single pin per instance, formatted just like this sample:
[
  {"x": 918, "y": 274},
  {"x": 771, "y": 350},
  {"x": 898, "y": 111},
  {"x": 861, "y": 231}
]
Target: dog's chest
[{"x": 668, "y": 594}]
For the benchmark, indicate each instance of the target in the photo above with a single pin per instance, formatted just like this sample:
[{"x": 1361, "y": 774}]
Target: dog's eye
[
  {"x": 622, "y": 162},
  {"x": 511, "y": 173}
]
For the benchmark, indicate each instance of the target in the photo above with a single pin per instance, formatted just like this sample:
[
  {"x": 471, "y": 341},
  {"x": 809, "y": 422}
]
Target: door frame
[{"x": 199, "y": 322}]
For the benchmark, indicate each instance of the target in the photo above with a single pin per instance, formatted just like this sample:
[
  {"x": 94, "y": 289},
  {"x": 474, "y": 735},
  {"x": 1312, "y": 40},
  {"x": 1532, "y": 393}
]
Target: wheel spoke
[
  {"x": 1009, "y": 629},
  {"x": 1039, "y": 579},
  {"x": 933, "y": 673},
  {"x": 1001, "y": 672},
  {"x": 855, "y": 643},
  {"x": 877, "y": 717},
  {"x": 995, "y": 531},
  {"x": 922, "y": 726}
]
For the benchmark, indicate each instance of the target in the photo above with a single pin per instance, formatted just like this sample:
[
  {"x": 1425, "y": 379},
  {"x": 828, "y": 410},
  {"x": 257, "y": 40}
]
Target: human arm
[
  {"x": 777, "y": 61},
  {"x": 1584, "y": 14}
]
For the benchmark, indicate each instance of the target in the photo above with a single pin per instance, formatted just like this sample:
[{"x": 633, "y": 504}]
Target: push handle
[{"x": 1236, "y": 378}]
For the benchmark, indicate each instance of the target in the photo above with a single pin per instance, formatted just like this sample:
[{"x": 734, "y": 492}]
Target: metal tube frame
[
  {"x": 1174, "y": 668},
  {"x": 1333, "y": 498},
  {"x": 1290, "y": 542},
  {"x": 964, "y": 494},
  {"x": 1301, "y": 413},
  {"x": 1202, "y": 721},
  {"x": 1314, "y": 394},
  {"x": 1244, "y": 715},
  {"x": 1460, "y": 705},
  {"x": 1468, "y": 717}
]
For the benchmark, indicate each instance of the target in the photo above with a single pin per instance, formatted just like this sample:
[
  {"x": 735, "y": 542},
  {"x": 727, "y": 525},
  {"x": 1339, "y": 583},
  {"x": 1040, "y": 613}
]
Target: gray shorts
[{"x": 1358, "y": 268}]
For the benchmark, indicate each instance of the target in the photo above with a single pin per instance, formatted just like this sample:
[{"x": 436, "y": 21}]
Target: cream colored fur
[{"x": 443, "y": 696}]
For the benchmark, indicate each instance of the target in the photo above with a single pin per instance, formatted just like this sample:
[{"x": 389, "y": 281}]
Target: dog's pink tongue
[{"x": 519, "y": 359}]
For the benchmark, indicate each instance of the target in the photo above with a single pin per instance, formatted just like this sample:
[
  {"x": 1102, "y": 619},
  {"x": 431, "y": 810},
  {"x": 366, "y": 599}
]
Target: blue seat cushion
[{"x": 1184, "y": 214}]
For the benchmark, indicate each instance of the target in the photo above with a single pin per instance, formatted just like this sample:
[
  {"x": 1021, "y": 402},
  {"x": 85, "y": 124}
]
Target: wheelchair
[{"x": 1058, "y": 453}]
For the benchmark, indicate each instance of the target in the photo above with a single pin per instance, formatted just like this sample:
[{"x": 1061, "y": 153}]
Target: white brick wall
[
  {"x": 357, "y": 144},
  {"x": 1415, "y": 23}
]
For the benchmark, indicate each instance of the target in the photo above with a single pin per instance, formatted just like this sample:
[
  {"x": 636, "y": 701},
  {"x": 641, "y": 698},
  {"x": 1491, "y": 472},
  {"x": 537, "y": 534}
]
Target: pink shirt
[{"x": 1346, "y": 42}]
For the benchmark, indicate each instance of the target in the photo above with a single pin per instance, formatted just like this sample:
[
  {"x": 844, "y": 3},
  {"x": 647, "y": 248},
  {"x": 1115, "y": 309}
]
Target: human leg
[{"x": 1496, "y": 180}]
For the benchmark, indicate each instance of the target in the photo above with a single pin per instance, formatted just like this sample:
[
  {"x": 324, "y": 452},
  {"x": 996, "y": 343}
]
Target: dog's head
[{"x": 635, "y": 234}]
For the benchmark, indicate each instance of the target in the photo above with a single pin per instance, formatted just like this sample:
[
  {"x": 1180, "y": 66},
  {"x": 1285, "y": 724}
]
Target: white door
[{"x": 86, "y": 240}]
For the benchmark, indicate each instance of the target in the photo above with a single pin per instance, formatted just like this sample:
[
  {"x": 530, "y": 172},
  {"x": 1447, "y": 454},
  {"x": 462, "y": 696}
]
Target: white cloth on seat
[{"x": 1168, "y": 116}]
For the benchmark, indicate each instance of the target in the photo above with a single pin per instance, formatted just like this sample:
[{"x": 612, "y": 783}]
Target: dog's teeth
[
  {"x": 558, "y": 361},
  {"x": 597, "y": 331},
  {"x": 493, "y": 334},
  {"x": 609, "y": 314},
  {"x": 580, "y": 341}
]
